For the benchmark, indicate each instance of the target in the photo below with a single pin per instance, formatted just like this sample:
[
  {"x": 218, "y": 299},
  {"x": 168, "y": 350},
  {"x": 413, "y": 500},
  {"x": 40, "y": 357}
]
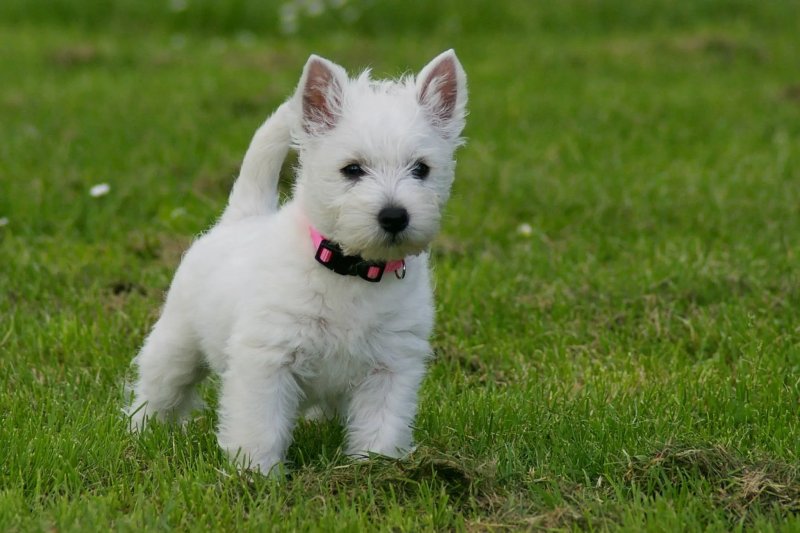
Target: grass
[{"x": 618, "y": 333}]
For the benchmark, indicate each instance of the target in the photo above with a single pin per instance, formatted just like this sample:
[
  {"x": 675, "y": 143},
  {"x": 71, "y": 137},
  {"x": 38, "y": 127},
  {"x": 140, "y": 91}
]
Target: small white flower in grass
[
  {"x": 101, "y": 189},
  {"x": 525, "y": 229},
  {"x": 3, "y": 221}
]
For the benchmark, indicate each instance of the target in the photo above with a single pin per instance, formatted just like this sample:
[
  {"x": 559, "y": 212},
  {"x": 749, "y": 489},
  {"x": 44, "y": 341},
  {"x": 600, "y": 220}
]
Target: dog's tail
[{"x": 255, "y": 191}]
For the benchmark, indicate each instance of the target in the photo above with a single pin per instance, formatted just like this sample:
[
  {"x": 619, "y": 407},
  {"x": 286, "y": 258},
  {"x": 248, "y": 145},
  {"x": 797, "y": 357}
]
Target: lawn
[{"x": 618, "y": 293}]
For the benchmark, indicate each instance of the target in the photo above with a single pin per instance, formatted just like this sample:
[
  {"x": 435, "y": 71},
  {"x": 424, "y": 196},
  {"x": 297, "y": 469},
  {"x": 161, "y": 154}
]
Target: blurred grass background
[
  {"x": 618, "y": 296},
  {"x": 375, "y": 18}
]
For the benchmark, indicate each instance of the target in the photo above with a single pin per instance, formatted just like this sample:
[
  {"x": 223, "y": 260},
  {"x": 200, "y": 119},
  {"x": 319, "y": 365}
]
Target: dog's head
[{"x": 376, "y": 157}]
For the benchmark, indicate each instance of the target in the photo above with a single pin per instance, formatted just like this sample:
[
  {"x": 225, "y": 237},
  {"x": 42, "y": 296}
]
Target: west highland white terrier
[{"x": 323, "y": 305}]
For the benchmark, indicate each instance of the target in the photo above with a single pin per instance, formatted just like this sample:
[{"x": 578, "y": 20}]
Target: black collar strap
[{"x": 330, "y": 255}]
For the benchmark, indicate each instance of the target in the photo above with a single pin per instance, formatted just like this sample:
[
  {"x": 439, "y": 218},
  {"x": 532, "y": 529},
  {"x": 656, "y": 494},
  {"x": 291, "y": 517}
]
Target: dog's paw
[
  {"x": 269, "y": 466},
  {"x": 136, "y": 418},
  {"x": 391, "y": 453}
]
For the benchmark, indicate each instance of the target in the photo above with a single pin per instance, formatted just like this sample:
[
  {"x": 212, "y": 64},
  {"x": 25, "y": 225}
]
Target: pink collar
[{"x": 330, "y": 255}]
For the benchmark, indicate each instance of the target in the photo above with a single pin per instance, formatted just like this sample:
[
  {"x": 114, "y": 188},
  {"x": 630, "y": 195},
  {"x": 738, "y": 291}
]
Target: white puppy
[{"x": 325, "y": 303}]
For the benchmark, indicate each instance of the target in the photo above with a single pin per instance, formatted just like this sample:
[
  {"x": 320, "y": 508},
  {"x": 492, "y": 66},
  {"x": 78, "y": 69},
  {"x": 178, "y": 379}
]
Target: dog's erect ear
[
  {"x": 320, "y": 94},
  {"x": 442, "y": 91}
]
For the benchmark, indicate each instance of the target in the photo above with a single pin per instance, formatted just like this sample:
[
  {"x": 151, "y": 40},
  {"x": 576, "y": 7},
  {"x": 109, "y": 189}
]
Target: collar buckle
[{"x": 371, "y": 271}]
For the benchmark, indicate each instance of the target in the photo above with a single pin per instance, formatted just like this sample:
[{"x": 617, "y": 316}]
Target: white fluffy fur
[{"x": 250, "y": 302}]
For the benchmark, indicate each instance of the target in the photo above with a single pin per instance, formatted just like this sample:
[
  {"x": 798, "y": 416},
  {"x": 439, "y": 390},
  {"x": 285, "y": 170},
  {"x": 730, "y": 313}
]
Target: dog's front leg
[
  {"x": 258, "y": 408},
  {"x": 381, "y": 410}
]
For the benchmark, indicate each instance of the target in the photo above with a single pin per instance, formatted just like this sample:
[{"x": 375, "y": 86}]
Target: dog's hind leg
[{"x": 170, "y": 365}]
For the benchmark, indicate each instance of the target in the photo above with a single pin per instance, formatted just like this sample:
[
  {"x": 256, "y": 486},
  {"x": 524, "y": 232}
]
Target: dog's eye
[
  {"x": 420, "y": 170},
  {"x": 353, "y": 171}
]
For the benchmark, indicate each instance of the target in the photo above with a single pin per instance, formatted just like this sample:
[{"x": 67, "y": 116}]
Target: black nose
[{"x": 393, "y": 219}]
